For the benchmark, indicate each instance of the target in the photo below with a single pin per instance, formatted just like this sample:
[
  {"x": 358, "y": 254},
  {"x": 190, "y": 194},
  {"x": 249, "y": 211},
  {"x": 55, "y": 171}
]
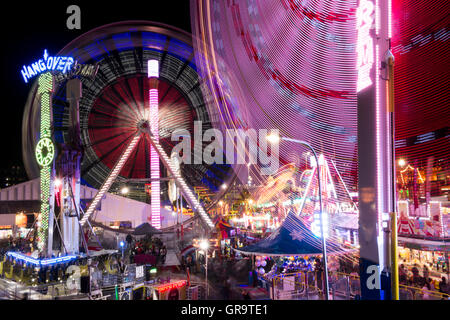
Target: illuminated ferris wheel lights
[
  {"x": 153, "y": 68},
  {"x": 401, "y": 162},
  {"x": 110, "y": 180},
  {"x": 124, "y": 190},
  {"x": 224, "y": 186},
  {"x": 58, "y": 182}
]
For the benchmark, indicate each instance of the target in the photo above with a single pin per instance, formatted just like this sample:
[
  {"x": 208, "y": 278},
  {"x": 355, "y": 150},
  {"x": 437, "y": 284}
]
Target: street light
[
  {"x": 275, "y": 138},
  {"x": 204, "y": 245},
  {"x": 58, "y": 182},
  {"x": 122, "y": 245}
]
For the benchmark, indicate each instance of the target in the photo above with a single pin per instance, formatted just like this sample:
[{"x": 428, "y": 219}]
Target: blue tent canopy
[{"x": 292, "y": 238}]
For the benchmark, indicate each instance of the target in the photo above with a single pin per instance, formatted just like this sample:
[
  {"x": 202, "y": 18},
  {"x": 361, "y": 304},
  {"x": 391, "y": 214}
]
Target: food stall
[{"x": 432, "y": 254}]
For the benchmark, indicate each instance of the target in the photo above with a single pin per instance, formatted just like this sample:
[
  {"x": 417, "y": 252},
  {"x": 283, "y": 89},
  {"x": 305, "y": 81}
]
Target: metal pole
[
  {"x": 206, "y": 274},
  {"x": 324, "y": 246},
  {"x": 180, "y": 213},
  {"x": 394, "y": 239},
  {"x": 394, "y": 257}
]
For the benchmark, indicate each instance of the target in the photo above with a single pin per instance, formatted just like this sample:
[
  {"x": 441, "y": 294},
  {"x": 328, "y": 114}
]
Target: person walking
[
  {"x": 403, "y": 277},
  {"x": 416, "y": 279},
  {"x": 319, "y": 270},
  {"x": 129, "y": 240},
  {"x": 426, "y": 272},
  {"x": 443, "y": 286},
  {"x": 426, "y": 290}
]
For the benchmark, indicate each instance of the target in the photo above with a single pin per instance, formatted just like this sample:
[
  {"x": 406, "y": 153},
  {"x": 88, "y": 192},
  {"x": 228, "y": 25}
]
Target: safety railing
[
  {"x": 348, "y": 286},
  {"x": 344, "y": 286},
  {"x": 307, "y": 285},
  {"x": 12, "y": 290},
  {"x": 415, "y": 293},
  {"x": 302, "y": 285}
]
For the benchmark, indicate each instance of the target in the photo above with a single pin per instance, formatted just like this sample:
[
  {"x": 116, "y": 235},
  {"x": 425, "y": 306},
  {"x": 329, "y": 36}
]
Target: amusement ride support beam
[
  {"x": 343, "y": 183},
  {"x": 313, "y": 171},
  {"x": 147, "y": 180},
  {"x": 186, "y": 192},
  {"x": 45, "y": 151},
  {"x": 109, "y": 181},
  {"x": 375, "y": 150},
  {"x": 153, "y": 74}
]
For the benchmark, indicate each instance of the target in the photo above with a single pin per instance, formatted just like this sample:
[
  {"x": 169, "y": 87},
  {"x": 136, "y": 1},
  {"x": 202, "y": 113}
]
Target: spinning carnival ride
[
  {"x": 114, "y": 137},
  {"x": 290, "y": 66},
  {"x": 293, "y": 69}
]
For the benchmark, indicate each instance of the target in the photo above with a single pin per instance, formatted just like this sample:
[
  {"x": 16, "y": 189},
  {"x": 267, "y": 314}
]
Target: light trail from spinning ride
[{"x": 279, "y": 64}]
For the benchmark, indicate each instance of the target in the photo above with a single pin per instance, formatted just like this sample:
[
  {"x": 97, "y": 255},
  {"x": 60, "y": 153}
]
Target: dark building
[{"x": 12, "y": 176}]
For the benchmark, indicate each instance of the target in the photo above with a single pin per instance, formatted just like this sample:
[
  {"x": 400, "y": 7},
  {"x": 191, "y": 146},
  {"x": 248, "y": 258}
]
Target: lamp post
[
  {"x": 275, "y": 139},
  {"x": 122, "y": 245},
  {"x": 204, "y": 245}
]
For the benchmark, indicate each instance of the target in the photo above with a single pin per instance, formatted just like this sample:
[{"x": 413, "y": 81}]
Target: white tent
[{"x": 113, "y": 208}]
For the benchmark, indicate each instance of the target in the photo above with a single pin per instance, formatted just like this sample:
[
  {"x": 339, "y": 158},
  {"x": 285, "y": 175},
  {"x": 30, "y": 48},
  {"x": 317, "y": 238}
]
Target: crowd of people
[
  {"x": 428, "y": 285},
  {"x": 17, "y": 244},
  {"x": 148, "y": 246}
]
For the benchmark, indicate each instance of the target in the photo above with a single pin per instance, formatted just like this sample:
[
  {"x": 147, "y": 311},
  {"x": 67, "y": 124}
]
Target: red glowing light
[{"x": 170, "y": 286}]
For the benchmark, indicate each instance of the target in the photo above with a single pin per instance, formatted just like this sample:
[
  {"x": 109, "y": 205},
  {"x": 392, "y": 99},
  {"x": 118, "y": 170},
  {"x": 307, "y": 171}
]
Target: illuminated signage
[
  {"x": 364, "y": 44},
  {"x": 83, "y": 70},
  {"x": 212, "y": 243},
  {"x": 170, "y": 286},
  {"x": 48, "y": 63}
]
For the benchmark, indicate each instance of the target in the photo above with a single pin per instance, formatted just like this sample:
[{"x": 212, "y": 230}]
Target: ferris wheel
[{"x": 114, "y": 103}]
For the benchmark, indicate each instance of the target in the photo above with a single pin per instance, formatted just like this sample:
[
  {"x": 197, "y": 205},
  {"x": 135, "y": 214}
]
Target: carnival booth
[
  {"x": 285, "y": 251},
  {"x": 432, "y": 255}
]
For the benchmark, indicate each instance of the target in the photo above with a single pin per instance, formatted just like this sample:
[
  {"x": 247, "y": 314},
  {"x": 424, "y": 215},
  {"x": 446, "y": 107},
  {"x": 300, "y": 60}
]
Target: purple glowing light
[{"x": 364, "y": 46}]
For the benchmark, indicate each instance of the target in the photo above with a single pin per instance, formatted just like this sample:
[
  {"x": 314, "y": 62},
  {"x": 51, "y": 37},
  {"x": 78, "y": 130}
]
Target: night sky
[{"x": 35, "y": 26}]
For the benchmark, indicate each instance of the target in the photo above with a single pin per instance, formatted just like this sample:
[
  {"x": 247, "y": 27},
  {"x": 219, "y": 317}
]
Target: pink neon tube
[{"x": 154, "y": 162}]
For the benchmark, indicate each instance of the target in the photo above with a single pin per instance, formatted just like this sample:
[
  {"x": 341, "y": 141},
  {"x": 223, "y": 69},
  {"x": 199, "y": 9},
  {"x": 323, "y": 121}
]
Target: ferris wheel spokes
[
  {"x": 112, "y": 176},
  {"x": 187, "y": 193}
]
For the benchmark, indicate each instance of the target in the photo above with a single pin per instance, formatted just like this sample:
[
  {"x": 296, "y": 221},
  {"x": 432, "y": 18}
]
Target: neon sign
[
  {"x": 48, "y": 63},
  {"x": 45, "y": 152},
  {"x": 170, "y": 286},
  {"x": 364, "y": 45}
]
